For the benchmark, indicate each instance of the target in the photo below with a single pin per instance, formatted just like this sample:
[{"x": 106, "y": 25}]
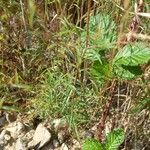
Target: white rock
[
  {"x": 29, "y": 135},
  {"x": 20, "y": 145},
  {"x": 59, "y": 124},
  {"x": 62, "y": 135},
  {"x": 2, "y": 137},
  {"x": 15, "y": 128},
  {"x": 56, "y": 143},
  {"x": 41, "y": 136},
  {"x": 64, "y": 147},
  {"x": 7, "y": 137},
  {"x": 76, "y": 145},
  {"x": 2, "y": 120},
  {"x": 10, "y": 146}
]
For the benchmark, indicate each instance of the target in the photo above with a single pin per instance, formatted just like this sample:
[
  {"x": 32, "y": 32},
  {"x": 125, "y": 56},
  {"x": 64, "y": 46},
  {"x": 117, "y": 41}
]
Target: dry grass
[{"x": 44, "y": 70}]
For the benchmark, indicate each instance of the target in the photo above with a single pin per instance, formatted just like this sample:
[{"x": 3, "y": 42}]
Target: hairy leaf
[
  {"x": 133, "y": 54},
  {"x": 127, "y": 72},
  {"x": 114, "y": 139},
  {"x": 102, "y": 36},
  {"x": 92, "y": 144}
]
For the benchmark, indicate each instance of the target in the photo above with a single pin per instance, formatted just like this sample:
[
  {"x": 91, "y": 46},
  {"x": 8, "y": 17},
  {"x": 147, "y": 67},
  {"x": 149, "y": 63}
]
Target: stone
[
  {"x": 7, "y": 137},
  {"x": 20, "y": 145},
  {"x": 59, "y": 124},
  {"x": 64, "y": 147},
  {"x": 62, "y": 135},
  {"x": 2, "y": 120},
  {"x": 56, "y": 143},
  {"x": 10, "y": 146},
  {"x": 2, "y": 138},
  {"x": 29, "y": 135},
  {"x": 15, "y": 129},
  {"x": 41, "y": 137},
  {"x": 75, "y": 145},
  {"x": 88, "y": 134}
]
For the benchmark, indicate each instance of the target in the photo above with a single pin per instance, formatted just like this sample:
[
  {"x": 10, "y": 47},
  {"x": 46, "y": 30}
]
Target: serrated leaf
[
  {"x": 93, "y": 55},
  {"x": 133, "y": 54},
  {"x": 92, "y": 144},
  {"x": 100, "y": 72},
  {"x": 114, "y": 139},
  {"x": 127, "y": 72},
  {"x": 102, "y": 33}
]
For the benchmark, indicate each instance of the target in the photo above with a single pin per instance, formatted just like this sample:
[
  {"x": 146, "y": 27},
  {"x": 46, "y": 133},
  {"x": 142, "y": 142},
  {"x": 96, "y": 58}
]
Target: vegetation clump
[{"x": 86, "y": 61}]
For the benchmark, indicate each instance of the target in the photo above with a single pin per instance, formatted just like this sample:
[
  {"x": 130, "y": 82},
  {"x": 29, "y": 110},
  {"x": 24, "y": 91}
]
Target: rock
[
  {"x": 62, "y": 135},
  {"x": 58, "y": 124},
  {"x": 7, "y": 137},
  {"x": 10, "y": 147},
  {"x": 64, "y": 147},
  {"x": 75, "y": 145},
  {"x": 41, "y": 137},
  {"x": 56, "y": 143},
  {"x": 88, "y": 134},
  {"x": 4, "y": 138},
  {"x": 2, "y": 120},
  {"x": 20, "y": 145},
  {"x": 15, "y": 129},
  {"x": 29, "y": 135}
]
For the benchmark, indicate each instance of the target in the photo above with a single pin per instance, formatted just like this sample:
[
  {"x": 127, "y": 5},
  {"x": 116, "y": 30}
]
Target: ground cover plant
[{"x": 85, "y": 61}]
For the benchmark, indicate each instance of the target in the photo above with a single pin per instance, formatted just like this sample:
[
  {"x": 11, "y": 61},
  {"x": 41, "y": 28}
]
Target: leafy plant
[
  {"x": 113, "y": 141},
  {"x": 102, "y": 36},
  {"x": 127, "y": 60},
  {"x": 92, "y": 144}
]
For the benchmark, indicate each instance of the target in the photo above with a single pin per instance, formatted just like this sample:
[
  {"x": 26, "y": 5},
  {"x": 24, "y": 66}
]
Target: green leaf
[
  {"x": 93, "y": 55},
  {"x": 10, "y": 108},
  {"x": 100, "y": 72},
  {"x": 92, "y": 144},
  {"x": 114, "y": 139},
  {"x": 127, "y": 72},
  {"x": 133, "y": 54},
  {"x": 102, "y": 33}
]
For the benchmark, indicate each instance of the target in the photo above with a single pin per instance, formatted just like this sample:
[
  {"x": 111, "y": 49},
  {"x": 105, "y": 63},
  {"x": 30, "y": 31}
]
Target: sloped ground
[{"x": 43, "y": 76}]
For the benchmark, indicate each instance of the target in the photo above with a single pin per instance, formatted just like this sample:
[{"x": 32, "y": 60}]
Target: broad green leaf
[
  {"x": 92, "y": 144},
  {"x": 127, "y": 72},
  {"x": 114, "y": 139},
  {"x": 93, "y": 55},
  {"x": 133, "y": 54},
  {"x": 102, "y": 33},
  {"x": 100, "y": 72}
]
